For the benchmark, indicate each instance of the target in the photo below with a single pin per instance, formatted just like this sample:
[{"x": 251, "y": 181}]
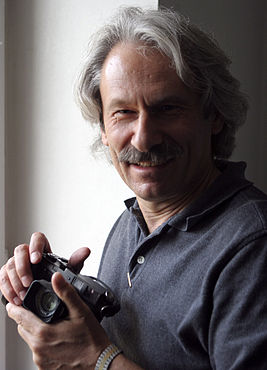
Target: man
[{"x": 187, "y": 259}]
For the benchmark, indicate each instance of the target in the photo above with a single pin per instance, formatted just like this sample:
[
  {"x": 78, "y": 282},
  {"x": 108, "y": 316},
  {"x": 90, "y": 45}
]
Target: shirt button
[{"x": 141, "y": 260}]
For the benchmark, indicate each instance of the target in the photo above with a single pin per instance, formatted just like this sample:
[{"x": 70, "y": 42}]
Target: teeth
[{"x": 148, "y": 164}]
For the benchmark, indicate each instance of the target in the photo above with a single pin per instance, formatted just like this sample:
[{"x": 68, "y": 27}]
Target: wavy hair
[{"x": 196, "y": 56}]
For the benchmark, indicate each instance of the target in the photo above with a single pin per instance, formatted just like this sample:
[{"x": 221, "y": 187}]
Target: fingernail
[
  {"x": 60, "y": 281},
  {"x": 35, "y": 257},
  {"x": 22, "y": 294},
  {"x": 17, "y": 301},
  {"x": 26, "y": 281}
]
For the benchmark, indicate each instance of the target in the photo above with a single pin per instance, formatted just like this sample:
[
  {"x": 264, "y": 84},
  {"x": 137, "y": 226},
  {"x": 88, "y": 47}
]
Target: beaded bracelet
[{"x": 106, "y": 357}]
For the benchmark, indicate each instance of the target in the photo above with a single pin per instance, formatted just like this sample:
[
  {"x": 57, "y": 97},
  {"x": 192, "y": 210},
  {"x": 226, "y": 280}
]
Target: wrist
[{"x": 107, "y": 356}]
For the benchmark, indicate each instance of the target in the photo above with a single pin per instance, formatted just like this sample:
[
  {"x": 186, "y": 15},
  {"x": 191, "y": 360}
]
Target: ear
[
  {"x": 104, "y": 138},
  {"x": 216, "y": 126}
]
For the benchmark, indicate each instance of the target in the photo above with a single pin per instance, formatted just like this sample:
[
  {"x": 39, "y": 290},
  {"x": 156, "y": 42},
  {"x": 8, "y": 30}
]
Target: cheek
[
  {"x": 117, "y": 138},
  {"x": 194, "y": 137}
]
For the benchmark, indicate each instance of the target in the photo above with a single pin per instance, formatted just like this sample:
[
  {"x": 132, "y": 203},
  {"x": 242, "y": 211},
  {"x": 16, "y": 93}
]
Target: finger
[
  {"x": 35, "y": 327},
  {"x": 14, "y": 280},
  {"x": 25, "y": 335},
  {"x": 38, "y": 245},
  {"x": 32, "y": 330},
  {"x": 41, "y": 338},
  {"x": 23, "y": 317},
  {"x": 23, "y": 265},
  {"x": 70, "y": 297},
  {"x": 77, "y": 259},
  {"x": 7, "y": 288}
]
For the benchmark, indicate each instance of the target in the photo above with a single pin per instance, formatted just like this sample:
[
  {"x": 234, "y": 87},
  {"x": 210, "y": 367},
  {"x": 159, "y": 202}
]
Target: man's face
[{"x": 145, "y": 104}]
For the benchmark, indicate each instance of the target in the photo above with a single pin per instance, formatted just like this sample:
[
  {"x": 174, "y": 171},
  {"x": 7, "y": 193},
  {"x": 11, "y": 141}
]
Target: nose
[{"x": 146, "y": 133}]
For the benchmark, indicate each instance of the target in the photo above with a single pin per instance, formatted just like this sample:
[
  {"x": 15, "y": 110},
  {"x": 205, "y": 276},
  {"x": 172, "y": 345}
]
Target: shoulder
[
  {"x": 253, "y": 202},
  {"x": 247, "y": 211}
]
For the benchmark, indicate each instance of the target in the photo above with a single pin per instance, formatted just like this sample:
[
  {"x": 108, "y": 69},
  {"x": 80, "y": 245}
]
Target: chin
[{"x": 152, "y": 195}]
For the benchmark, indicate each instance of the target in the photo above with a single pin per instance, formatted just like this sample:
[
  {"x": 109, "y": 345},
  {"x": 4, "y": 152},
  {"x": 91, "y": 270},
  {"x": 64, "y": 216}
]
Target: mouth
[
  {"x": 158, "y": 156},
  {"x": 150, "y": 163}
]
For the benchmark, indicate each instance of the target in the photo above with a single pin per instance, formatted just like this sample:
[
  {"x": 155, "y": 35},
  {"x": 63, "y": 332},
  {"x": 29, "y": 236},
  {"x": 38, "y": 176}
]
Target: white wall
[
  {"x": 53, "y": 184},
  {"x": 240, "y": 26},
  {"x": 2, "y": 173}
]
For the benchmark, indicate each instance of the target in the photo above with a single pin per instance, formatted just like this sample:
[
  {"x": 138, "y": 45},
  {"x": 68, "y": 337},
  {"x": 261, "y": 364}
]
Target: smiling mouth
[
  {"x": 158, "y": 156},
  {"x": 150, "y": 164}
]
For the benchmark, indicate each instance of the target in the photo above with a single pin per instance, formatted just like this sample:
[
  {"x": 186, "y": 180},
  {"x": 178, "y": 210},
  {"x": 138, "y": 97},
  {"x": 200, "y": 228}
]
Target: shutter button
[{"x": 141, "y": 260}]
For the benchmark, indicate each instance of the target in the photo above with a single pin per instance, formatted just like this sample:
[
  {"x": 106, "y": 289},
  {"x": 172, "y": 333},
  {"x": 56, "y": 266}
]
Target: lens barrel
[{"x": 43, "y": 301}]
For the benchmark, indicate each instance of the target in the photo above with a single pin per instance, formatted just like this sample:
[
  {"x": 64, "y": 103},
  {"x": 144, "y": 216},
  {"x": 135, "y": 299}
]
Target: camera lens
[{"x": 46, "y": 302}]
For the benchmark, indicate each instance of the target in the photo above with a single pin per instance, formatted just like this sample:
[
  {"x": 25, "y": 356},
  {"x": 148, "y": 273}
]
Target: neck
[{"x": 156, "y": 212}]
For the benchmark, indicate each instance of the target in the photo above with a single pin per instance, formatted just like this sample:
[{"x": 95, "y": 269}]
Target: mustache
[{"x": 158, "y": 154}]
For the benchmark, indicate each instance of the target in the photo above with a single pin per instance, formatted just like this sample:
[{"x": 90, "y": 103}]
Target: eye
[
  {"x": 167, "y": 107},
  {"x": 123, "y": 112},
  {"x": 124, "y": 115},
  {"x": 170, "y": 108}
]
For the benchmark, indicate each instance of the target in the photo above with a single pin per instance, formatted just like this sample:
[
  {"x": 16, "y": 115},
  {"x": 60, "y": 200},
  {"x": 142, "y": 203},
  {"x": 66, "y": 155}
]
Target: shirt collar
[{"x": 231, "y": 181}]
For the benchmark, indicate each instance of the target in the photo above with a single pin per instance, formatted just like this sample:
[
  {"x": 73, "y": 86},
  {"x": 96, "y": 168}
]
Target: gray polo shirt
[{"x": 196, "y": 297}]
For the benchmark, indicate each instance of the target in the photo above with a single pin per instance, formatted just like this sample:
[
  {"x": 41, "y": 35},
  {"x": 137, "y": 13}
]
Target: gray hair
[{"x": 196, "y": 56}]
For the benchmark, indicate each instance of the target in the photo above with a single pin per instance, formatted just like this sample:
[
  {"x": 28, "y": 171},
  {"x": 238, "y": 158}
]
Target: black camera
[{"x": 43, "y": 301}]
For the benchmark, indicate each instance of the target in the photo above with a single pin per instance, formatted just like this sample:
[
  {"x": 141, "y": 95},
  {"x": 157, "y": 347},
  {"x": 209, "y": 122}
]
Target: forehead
[
  {"x": 131, "y": 70},
  {"x": 134, "y": 59}
]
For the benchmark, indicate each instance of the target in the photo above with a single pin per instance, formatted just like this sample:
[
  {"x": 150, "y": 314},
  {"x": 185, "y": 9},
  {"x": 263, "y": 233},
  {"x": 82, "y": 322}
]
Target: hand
[
  {"x": 75, "y": 342},
  {"x": 16, "y": 275}
]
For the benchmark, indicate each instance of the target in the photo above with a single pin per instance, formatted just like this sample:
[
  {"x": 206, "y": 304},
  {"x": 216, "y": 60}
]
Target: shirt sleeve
[{"x": 238, "y": 326}]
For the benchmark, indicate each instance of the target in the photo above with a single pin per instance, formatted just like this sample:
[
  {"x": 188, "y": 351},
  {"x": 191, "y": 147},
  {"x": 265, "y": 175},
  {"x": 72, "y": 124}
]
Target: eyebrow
[
  {"x": 171, "y": 99},
  {"x": 117, "y": 103}
]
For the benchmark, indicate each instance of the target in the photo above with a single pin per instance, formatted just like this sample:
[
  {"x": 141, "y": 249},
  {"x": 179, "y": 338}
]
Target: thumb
[
  {"x": 77, "y": 259},
  {"x": 70, "y": 297}
]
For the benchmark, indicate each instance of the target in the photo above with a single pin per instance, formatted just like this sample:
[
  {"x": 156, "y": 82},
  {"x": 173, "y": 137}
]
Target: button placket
[{"x": 137, "y": 261}]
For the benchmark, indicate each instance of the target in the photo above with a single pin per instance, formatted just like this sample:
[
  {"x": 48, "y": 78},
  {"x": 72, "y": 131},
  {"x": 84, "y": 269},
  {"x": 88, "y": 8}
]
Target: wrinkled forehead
[
  {"x": 136, "y": 61},
  {"x": 130, "y": 76}
]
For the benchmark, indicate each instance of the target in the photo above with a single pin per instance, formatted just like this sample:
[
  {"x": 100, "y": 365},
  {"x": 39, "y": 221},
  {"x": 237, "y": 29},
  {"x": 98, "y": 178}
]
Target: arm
[
  {"x": 238, "y": 327},
  {"x": 122, "y": 363}
]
